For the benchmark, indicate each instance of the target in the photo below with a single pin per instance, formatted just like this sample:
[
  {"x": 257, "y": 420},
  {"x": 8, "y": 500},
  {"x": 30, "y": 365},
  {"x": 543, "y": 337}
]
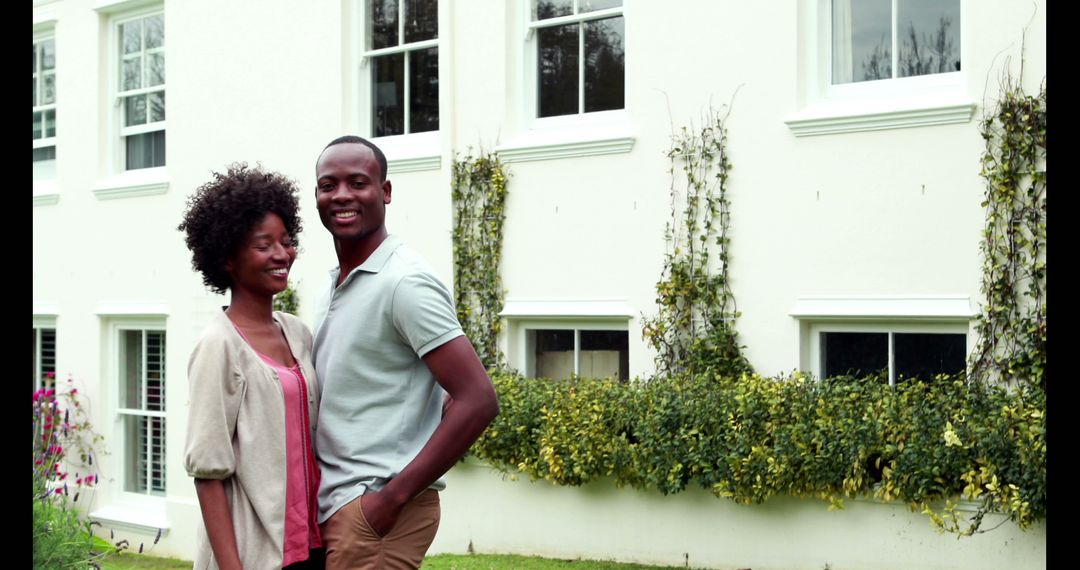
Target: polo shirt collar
[{"x": 377, "y": 260}]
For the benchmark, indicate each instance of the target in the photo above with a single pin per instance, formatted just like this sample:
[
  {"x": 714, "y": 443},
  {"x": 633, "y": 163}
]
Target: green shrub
[{"x": 752, "y": 437}]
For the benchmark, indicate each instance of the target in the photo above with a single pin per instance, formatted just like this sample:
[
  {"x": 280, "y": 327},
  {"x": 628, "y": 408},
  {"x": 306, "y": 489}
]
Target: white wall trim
[
  {"x": 567, "y": 308},
  {"x": 945, "y": 307},
  {"x": 527, "y": 153},
  {"x": 46, "y": 192},
  {"x": 413, "y": 164},
  {"x": 115, "y": 6},
  {"x": 141, "y": 182},
  {"x": 47, "y": 309},
  {"x": 824, "y": 119},
  {"x": 133, "y": 519},
  {"x": 132, "y": 309}
]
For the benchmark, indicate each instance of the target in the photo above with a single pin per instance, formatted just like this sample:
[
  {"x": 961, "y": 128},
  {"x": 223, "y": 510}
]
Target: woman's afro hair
[{"x": 222, "y": 212}]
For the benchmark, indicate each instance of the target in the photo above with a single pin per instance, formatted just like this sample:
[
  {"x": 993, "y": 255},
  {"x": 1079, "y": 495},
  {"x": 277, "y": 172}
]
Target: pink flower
[
  {"x": 50, "y": 374},
  {"x": 39, "y": 462},
  {"x": 90, "y": 479},
  {"x": 58, "y": 491},
  {"x": 63, "y": 476},
  {"x": 74, "y": 391}
]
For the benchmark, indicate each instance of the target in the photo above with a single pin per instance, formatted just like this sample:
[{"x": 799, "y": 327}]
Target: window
[
  {"x": 558, "y": 353},
  {"x": 897, "y": 356},
  {"x": 44, "y": 107},
  {"x": 141, "y": 90},
  {"x": 141, "y": 408},
  {"x": 580, "y": 56},
  {"x": 44, "y": 357},
  {"x": 888, "y": 39},
  {"x": 402, "y": 51}
]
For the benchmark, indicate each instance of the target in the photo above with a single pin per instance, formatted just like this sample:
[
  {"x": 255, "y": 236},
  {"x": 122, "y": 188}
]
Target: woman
[{"x": 252, "y": 384}]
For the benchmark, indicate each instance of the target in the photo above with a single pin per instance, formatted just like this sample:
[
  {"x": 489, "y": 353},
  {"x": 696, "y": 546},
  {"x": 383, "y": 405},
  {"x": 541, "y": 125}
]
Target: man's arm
[{"x": 471, "y": 406}]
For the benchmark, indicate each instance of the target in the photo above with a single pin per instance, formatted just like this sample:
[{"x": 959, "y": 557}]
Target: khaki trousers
[{"x": 352, "y": 545}]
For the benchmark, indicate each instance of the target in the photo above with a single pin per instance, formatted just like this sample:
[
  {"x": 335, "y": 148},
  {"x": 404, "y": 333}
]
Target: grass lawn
[{"x": 438, "y": 562}]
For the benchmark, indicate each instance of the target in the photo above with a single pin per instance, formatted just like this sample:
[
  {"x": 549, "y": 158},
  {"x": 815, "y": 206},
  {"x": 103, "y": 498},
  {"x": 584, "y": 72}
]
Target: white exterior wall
[{"x": 891, "y": 213}]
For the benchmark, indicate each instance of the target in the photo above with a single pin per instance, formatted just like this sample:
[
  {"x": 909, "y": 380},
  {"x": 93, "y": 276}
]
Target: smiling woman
[{"x": 249, "y": 393}]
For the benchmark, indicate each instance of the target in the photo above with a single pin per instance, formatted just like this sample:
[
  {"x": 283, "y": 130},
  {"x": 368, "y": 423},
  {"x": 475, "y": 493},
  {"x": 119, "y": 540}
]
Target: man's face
[{"x": 351, "y": 200}]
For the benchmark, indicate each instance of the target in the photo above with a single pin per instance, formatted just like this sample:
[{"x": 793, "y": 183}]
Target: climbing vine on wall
[
  {"x": 695, "y": 324},
  {"x": 1012, "y": 326},
  {"x": 479, "y": 197},
  {"x": 287, "y": 301}
]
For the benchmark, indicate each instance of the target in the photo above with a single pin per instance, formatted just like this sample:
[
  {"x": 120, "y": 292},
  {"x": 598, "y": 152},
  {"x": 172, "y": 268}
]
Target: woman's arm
[{"x": 218, "y": 521}]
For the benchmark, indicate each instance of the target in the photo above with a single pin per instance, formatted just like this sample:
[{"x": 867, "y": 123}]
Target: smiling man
[{"x": 403, "y": 394}]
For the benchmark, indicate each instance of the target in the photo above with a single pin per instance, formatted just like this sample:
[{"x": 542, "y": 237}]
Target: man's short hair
[{"x": 379, "y": 156}]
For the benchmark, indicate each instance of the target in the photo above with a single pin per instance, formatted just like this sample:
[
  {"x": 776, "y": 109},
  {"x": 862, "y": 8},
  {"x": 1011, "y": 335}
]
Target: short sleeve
[
  {"x": 215, "y": 393},
  {"x": 423, "y": 313}
]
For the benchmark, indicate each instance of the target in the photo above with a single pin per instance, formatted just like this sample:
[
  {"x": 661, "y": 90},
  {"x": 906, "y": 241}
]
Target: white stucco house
[{"x": 855, "y": 216}]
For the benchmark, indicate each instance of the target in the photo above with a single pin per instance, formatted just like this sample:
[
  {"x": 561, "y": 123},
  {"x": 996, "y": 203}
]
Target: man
[{"x": 403, "y": 394}]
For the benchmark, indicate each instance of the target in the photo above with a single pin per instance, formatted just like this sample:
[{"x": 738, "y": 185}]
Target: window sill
[
  {"x": 829, "y": 116},
  {"x": 411, "y": 153},
  {"x": 133, "y": 183},
  {"x": 134, "y": 519},
  {"x": 580, "y": 136},
  {"x": 949, "y": 308},
  {"x": 46, "y": 193}
]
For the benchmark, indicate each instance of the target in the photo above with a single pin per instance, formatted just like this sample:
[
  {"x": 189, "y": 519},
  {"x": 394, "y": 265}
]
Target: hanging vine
[
  {"x": 1012, "y": 326},
  {"x": 478, "y": 190},
  {"x": 694, "y": 328}
]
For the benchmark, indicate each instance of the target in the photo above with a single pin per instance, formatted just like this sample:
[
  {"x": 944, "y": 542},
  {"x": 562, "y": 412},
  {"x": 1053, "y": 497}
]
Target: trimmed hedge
[{"x": 753, "y": 437}]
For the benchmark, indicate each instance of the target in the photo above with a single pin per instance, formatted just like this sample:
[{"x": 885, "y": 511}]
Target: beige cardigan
[{"x": 236, "y": 432}]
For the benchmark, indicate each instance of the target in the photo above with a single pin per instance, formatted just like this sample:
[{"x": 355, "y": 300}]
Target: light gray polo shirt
[{"x": 379, "y": 403}]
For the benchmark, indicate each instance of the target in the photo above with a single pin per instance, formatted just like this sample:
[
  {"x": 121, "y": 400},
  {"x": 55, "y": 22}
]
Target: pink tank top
[{"x": 302, "y": 472}]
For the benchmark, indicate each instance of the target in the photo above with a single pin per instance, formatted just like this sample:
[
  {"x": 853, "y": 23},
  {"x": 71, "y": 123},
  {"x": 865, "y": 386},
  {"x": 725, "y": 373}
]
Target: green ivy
[
  {"x": 287, "y": 301},
  {"x": 1012, "y": 326},
  {"x": 750, "y": 437},
  {"x": 694, "y": 328},
  {"x": 478, "y": 191}
]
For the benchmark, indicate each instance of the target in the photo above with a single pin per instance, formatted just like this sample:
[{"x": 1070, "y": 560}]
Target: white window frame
[
  {"x": 116, "y": 64},
  {"x": 523, "y": 315},
  {"x": 901, "y": 102},
  {"x": 121, "y": 414},
  {"x": 951, "y": 314},
  {"x": 407, "y": 152},
  {"x": 41, "y": 324},
  {"x": 40, "y": 37},
  {"x": 884, "y": 327},
  {"x": 563, "y": 136}
]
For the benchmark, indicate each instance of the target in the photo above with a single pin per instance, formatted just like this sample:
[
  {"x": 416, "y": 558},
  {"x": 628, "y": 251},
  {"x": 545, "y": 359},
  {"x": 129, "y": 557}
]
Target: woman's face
[{"x": 261, "y": 264}]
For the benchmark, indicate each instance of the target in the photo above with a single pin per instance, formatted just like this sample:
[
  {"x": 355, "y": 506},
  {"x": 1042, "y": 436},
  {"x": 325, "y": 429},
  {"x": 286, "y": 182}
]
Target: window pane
[
  {"x": 862, "y": 40},
  {"x": 384, "y": 23},
  {"x": 48, "y": 55},
  {"x": 47, "y": 364},
  {"x": 36, "y": 48},
  {"x": 594, "y": 5},
  {"x": 35, "y": 91},
  {"x": 155, "y": 31},
  {"x": 37, "y": 380},
  {"x": 156, "y": 71},
  {"x": 554, "y": 354},
  {"x": 48, "y": 94},
  {"x": 424, "y": 90},
  {"x": 131, "y": 37},
  {"x": 558, "y": 70},
  {"x": 130, "y": 74},
  {"x": 421, "y": 20},
  {"x": 44, "y": 153},
  {"x": 50, "y": 124},
  {"x": 544, "y": 9},
  {"x": 156, "y": 484},
  {"x": 146, "y": 150},
  {"x": 389, "y": 95},
  {"x": 854, "y": 354},
  {"x": 605, "y": 354},
  {"x": 37, "y": 125},
  {"x": 929, "y": 36},
  {"x": 927, "y": 355},
  {"x": 157, "y": 106},
  {"x": 604, "y": 65},
  {"x": 135, "y": 431},
  {"x": 155, "y": 370},
  {"x": 131, "y": 370},
  {"x": 134, "y": 110}
]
